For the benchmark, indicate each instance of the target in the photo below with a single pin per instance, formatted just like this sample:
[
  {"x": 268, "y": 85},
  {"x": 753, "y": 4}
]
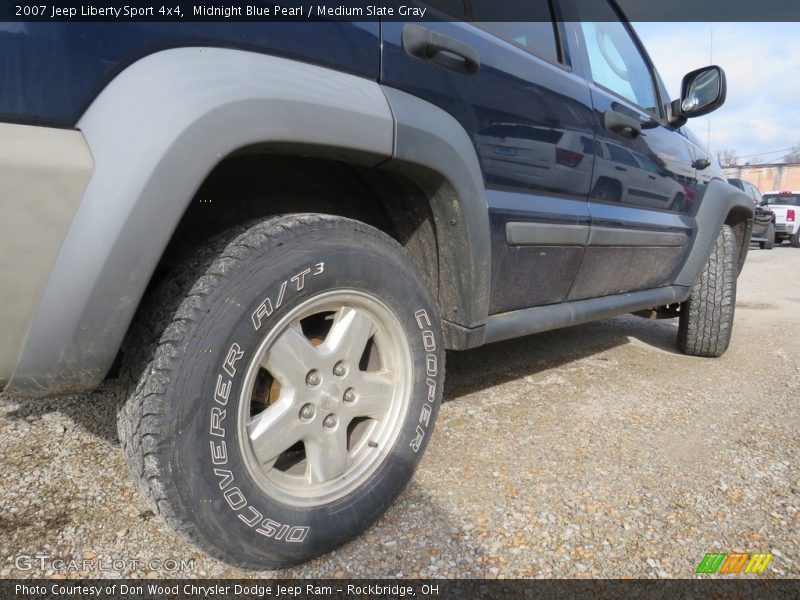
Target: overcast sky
[{"x": 762, "y": 65}]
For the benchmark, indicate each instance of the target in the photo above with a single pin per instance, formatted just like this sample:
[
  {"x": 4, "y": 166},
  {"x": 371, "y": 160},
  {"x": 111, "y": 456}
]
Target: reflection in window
[
  {"x": 621, "y": 155},
  {"x": 617, "y": 65},
  {"x": 527, "y": 24}
]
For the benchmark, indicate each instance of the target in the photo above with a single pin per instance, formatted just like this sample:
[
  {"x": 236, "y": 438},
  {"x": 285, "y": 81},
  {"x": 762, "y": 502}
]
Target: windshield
[{"x": 789, "y": 199}]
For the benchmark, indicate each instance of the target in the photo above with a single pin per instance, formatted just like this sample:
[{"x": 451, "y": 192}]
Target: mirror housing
[{"x": 702, "y": 91}]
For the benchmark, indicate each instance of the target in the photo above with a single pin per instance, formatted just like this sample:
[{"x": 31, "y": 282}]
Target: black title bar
[{"x": 393, "y": 10}]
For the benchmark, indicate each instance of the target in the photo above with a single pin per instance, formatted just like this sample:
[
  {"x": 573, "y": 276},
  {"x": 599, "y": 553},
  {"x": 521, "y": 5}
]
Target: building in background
[{"x": 768, "y": 177}]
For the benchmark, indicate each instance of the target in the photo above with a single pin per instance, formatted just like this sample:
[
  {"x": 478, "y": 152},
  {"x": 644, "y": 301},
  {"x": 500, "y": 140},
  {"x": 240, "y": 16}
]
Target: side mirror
[{"x": 702, "y": 92}]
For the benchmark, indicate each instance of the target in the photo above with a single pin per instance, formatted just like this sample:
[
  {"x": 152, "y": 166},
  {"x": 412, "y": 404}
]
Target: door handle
[
  {"x": 440, "y": 49},
  {"x": 622, "y": 124},
  {"x": 620, "y": 168}
]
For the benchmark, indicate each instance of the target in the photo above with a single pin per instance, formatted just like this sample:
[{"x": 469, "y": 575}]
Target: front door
[
  {"x": 530, "y": 119},
  {"x": 643, "y": 176}
]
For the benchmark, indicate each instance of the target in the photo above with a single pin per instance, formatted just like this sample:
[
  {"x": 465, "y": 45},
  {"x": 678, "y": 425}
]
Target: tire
[
  {"x": 606, "y": 189},
  {"x": 769, "y": 238},
  {"x": 795, "y": 239},
  {"x": 281, "y": 388},
  {"x": 778, "y": 240},
  {"x": 706, "y": 318}
]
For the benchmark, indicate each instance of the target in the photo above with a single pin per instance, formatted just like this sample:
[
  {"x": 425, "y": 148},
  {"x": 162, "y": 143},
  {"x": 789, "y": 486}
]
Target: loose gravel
[{"x": 595, "y": 451}]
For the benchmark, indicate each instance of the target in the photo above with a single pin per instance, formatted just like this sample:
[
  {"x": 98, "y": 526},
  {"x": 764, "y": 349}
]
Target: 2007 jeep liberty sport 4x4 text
[{"x": 268, "y": 234}]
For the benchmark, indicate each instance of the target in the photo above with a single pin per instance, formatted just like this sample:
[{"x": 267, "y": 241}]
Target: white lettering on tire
[
  {"x": 431, "y": 370},
  {"x": 266, "y": 308},
  {"x": 232, "y": 494}
]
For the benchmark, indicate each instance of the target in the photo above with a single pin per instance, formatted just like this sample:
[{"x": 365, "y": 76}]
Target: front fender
[
  {"x": 155, "y": 132},
  {"x": 717, "y": 203}
]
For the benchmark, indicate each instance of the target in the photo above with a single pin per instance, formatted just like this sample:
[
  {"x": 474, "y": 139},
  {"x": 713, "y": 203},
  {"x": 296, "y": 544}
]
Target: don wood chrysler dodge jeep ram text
[{"x": 269, "y": 236}]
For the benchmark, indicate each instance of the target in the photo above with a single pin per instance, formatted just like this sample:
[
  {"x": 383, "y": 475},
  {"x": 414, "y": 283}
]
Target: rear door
[
  {"x": 530, "y": 119},
  {"x": 638, "y": 202}
]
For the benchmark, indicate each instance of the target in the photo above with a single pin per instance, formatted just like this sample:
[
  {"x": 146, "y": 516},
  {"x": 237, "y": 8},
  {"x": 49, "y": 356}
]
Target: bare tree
[
  {"x": 728, "y": 157},
  {"x": 794, "y": 155}
]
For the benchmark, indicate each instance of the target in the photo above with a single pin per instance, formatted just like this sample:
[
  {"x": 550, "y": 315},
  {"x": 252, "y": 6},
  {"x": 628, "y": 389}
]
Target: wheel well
[
  {"x": 247, "y": 186},
  {"x": 740, "y": 220},
  {"x": 613, "y": 184}
]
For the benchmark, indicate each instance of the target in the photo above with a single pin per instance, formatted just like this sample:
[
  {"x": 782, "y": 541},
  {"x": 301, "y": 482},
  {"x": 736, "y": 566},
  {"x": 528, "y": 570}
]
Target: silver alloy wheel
[{"x": 324, "y": 398}]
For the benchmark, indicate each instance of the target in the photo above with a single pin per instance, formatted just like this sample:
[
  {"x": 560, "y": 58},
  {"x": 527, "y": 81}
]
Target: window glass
[
  {"x": 621, "y": 155},
  {"x": 527, "y": 24},
  {"x": 788, "y": 199},
  {"x": 647, "y": 164},
  {"x": 598, "y": 150},
  {"x": 756, "y": 194},
  {"x": 616, "y": 62}
]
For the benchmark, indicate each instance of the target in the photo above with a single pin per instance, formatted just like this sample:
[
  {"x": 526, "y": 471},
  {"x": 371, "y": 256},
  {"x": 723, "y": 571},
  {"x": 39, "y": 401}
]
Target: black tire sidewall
[
  {"x": 228, "y": 508},
  {"x": 698, "y": 334}
]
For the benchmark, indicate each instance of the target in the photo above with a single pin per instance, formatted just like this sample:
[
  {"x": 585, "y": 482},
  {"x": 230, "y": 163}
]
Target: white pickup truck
[{"x": 786, "y": 206}]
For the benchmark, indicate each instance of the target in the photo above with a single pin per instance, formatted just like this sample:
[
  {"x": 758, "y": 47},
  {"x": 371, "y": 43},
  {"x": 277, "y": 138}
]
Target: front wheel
[
  {"x": 795, "y": 239},
  {"x": 291, "y": 391},
  {"x": 706, "y": 318}
]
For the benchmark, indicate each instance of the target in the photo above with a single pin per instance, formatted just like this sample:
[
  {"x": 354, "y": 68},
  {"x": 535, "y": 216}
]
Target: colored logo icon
[{"x": 735, "y": 562}]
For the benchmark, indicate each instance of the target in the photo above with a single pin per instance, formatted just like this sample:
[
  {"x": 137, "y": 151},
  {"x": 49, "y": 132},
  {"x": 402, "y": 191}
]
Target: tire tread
[{"x": 706, "y": 318}]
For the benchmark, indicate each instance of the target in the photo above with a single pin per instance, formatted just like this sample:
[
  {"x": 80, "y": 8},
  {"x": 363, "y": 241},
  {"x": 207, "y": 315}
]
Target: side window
[
  {"x": 587, "y": 144},
  {"x": 748, "y": 189},
  {"x": 756, "y": 194},
  {"x": 647, "y": 164},
  {"x": 620, "y": 155},
  {"x": 616, "y": 62},
  {"x": 598, "y": 150},
  {"x": 526, "y": 24}
]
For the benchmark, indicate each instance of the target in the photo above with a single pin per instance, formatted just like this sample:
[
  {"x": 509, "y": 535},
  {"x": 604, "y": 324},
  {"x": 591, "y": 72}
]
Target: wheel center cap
[{"x": 328, "y": 400}]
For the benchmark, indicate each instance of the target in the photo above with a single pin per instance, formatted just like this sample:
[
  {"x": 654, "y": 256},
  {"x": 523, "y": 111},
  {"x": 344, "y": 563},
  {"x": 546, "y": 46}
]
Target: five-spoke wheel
[{"x": 324, "y": 397}]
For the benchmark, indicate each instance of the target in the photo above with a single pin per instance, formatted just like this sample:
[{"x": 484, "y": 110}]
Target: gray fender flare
[
  {"x": 435, "y": 151},
  {"x": 155, "y": 132},
  {"x": 159, "y": 128},
  {"x": 716, "y": 202}
]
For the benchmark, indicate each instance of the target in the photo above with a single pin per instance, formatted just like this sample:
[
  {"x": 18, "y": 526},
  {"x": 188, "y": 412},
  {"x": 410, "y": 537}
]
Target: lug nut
[
  {"x": 307, "y": 412},
  {"x": 313, "y": 378},
  {"x": 350, "y": 395},
  {"x": 340, "y": 369},
  {"x": 329, "y": 422}
]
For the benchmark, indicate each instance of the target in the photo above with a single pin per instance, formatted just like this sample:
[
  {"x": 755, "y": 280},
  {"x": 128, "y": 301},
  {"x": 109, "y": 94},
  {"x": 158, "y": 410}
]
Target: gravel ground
[{"x": 593, "y": 451}]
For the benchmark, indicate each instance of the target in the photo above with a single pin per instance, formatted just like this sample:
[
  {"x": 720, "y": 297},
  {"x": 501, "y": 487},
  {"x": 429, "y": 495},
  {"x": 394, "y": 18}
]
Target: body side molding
[
  {"x": 520, "y": 233},
  {"x": 652, "y": 238}
]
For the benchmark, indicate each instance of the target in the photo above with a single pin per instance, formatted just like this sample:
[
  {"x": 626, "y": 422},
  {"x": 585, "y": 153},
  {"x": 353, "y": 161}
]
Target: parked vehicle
[
  {"x": 786, "y": 206},
  {"x": 764, "y": 217},
  {"x": 270, "y": 233}
]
